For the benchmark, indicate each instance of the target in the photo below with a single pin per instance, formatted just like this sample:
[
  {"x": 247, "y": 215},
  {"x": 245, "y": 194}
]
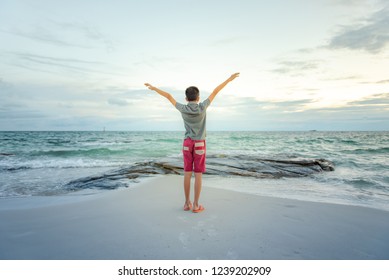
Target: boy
[{"x": 194, "y": 116}]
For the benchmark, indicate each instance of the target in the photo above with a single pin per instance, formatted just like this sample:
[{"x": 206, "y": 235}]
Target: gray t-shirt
[{"x": 194, "y": 116}]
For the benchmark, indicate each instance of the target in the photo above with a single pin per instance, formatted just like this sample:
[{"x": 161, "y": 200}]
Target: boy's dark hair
[{"x": 192, "y": 93}]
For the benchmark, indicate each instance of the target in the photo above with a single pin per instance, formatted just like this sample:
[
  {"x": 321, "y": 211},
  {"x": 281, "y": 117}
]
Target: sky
[{"x": 305, "y": 65}]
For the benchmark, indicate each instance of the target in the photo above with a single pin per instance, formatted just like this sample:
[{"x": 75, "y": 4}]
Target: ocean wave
[
  {"x": 382, "y": 150},
  {"x": 363, "y": 183},
  {"x": 78, "y": 152},
  {"x": 59, "y": 164},
  {"x": 59, "y": 142},
  {"x": 366, "y": 151},
  {"x": 6, "y": 154},
  {"x": 48, "y": 161},
  {"x": 348, "y": 141}
]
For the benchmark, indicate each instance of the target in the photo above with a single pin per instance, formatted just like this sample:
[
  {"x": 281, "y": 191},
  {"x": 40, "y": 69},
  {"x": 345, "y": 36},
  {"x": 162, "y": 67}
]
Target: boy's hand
[
  {"x": 233, "y": 76},
  {"x": 150, "y": 86},
  {"x": 163, "y": 93}
]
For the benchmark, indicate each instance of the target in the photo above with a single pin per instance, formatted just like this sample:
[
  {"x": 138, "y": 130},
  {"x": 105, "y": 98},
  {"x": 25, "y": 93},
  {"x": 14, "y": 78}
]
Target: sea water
[{"x": 42, "y": 163}]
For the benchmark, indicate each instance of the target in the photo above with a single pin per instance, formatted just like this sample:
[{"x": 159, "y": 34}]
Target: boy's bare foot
[{"x": 187, "y": 206}]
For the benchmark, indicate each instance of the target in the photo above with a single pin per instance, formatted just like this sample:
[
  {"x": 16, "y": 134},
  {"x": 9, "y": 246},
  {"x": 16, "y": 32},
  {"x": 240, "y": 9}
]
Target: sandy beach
[{"x": 147, "y": 222}]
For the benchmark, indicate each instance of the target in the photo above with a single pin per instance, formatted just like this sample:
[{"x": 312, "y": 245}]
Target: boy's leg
[
  {"x": 188, "y": 167},
  {"x": 199, "y": 169},
  {"x": 197, "y": 190},
  {"x": 187, "y": 179}
]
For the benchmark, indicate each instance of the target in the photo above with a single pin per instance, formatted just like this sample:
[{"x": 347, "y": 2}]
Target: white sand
[{"x": 147, "y": 222}]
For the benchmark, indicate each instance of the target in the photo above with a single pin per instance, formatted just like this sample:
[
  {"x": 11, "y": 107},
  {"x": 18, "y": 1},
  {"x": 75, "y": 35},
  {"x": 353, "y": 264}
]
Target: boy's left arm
[
  {"x": 221, "y": 86},
  {"x": 165, "y": 94}
]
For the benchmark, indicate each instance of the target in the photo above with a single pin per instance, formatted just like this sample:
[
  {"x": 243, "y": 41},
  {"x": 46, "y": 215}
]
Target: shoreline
[
  {"x": 303, "y": 190},
  {"x": 147, "y": 222}
]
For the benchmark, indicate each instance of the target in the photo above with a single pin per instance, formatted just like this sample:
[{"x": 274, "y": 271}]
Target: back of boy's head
[{"x": 192, "y": 93}]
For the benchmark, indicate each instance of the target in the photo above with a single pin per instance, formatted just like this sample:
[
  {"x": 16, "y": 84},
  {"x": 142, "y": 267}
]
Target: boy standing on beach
[{"x": 194, "y": 116}]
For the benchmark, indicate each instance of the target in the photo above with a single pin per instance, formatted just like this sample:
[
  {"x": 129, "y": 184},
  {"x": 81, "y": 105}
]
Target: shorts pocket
[
  {"x": 186, "y": 148},
  {"x": 199, "y": 144},
  {"x": 199, "y": 152}
]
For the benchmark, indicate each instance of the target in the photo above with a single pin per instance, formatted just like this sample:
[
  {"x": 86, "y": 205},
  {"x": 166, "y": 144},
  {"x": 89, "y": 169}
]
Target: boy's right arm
[
  {"x": 221, "y": 86},
  {"x": 165, "y": 94}
]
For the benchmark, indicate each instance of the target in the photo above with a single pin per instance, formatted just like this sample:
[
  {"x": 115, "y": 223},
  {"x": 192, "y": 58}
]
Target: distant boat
[{"x": 313, "y": 130}]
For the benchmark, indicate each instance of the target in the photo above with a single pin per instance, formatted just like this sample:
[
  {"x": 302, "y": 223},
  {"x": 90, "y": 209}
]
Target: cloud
[
  {"x": 90, "y": 32},
  {"x": 21, "y": 114},
  {"x": 54, "y": 60},
  {"x": 4, "y": 85},
  {"x": 49, "y": 64},
  {"x": 372, "y": 36},
  {"x": 63, "y": 34},
  {"x": 250, "y": 108},
  {"x": 348, "y": 2},
  {"x": 56, "y": 108},
  {"x": 343, "y": 78},
  {"x": 296, "y": 67},
  {"x": 379, "y": 100},
  {"x": 293, "y": 104},
  {"x": 279, "y": 106},
  {"x": 117, "y": 101},
  {"x": 43, "y": 35},
  {"x": 234, "y": 113}
]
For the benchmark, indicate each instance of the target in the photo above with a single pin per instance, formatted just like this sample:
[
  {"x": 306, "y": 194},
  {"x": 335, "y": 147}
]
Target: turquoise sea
[{"x": 42, "y": 163}]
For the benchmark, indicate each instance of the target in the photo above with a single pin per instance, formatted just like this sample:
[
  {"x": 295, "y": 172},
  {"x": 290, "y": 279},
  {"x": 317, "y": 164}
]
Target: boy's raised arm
[
  {"x": 163, "y": 93},
  {"x": 222, "y": 85}
]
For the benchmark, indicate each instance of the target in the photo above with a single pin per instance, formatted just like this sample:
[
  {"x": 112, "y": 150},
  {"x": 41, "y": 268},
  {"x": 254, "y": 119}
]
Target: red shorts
[{"x": 194, "y": 155}]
